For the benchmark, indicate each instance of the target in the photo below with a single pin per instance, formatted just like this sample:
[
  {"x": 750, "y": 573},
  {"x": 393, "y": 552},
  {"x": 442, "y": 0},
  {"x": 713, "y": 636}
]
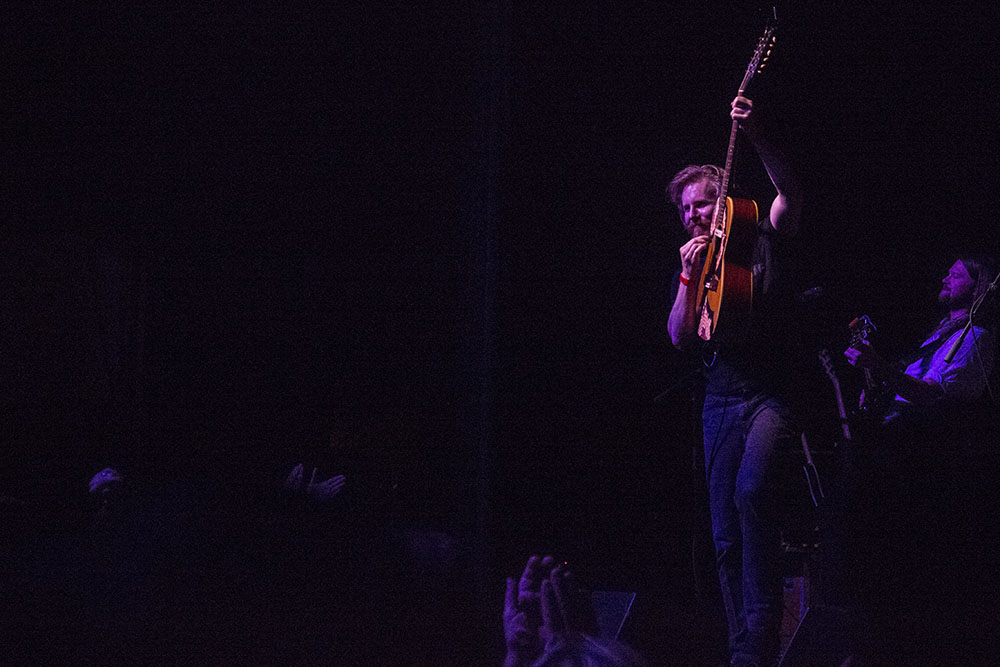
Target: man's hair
[
  {"x": 692, "y": 174},
  {"x": 982, "y": 270}
]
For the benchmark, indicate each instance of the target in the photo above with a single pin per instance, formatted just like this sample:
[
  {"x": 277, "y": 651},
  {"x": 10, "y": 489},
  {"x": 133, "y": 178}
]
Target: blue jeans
[{"x": 744, "y": 437}]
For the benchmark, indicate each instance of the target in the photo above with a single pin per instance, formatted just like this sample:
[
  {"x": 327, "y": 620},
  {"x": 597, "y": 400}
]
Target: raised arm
[{"x": 787, "y": 205}]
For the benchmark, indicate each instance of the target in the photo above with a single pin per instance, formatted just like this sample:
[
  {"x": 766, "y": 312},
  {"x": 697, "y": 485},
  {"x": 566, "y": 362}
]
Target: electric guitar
[
  {"x": 877, "y": 394},
  {"x": 729, "y": 256},
  {"x": 827, "y": 362}
]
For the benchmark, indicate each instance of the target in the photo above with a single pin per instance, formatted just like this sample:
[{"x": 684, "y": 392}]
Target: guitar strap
[{"x": 930, "y": 345}]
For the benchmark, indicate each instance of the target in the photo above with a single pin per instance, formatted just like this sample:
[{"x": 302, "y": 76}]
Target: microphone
[{"x": 958, "y": 343}]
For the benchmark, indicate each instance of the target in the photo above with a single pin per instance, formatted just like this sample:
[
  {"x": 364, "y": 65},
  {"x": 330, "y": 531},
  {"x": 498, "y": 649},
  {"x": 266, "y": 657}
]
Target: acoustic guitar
[{"x": 729, "y": 256}]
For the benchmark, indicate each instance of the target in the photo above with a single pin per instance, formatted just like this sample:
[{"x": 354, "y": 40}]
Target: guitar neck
[
  {"x": 827, "y": 362},
  {"x": 760, "y": 56},
  {"x": 720, "y": 209},
  {"x": 841, "y": 411}
]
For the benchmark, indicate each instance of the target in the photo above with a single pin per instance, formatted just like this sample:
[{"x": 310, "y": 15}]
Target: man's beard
[{"x": 949, "y": 302}]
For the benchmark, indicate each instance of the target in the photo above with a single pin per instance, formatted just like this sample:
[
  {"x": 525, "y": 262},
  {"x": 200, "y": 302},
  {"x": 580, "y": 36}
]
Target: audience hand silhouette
[
  {"x": 324, "y": 491},
  {"x": 293, "y": 483},
  {"x": 315, "y": 491},
  {"x": 538, "y": 610}
]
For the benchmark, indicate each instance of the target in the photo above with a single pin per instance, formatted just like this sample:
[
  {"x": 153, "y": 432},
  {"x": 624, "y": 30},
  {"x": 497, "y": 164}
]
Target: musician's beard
[{"x": 951, "y": 301}]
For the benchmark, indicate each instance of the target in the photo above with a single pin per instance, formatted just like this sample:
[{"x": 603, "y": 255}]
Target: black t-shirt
[{"x": 765, "y": 354}]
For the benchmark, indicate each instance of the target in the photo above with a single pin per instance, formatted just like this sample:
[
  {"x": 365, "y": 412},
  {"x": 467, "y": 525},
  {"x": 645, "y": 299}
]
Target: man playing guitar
[
  {"x": 952, "y": 363},
  {"x": 914, "y": 524},
  {"x": 746, "y": 419}
]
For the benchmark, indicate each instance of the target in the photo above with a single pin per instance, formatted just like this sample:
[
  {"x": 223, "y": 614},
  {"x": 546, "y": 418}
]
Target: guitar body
[
  {"x": 728, "y": 269},
  {"x": 876, "y": 404}
]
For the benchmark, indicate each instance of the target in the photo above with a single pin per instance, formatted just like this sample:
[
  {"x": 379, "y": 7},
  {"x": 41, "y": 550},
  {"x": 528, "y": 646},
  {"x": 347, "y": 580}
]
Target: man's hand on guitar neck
[{"x": 742, "y": 112}]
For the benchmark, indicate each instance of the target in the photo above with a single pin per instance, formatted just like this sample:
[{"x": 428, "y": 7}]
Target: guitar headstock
[
  {"x": 862, "y": 328},
  {"x": 827, "y": 361},
  {"x": 761, "y": 55}
]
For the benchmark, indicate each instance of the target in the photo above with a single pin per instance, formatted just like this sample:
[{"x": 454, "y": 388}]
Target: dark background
[{"x": 229, "y": 233}]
